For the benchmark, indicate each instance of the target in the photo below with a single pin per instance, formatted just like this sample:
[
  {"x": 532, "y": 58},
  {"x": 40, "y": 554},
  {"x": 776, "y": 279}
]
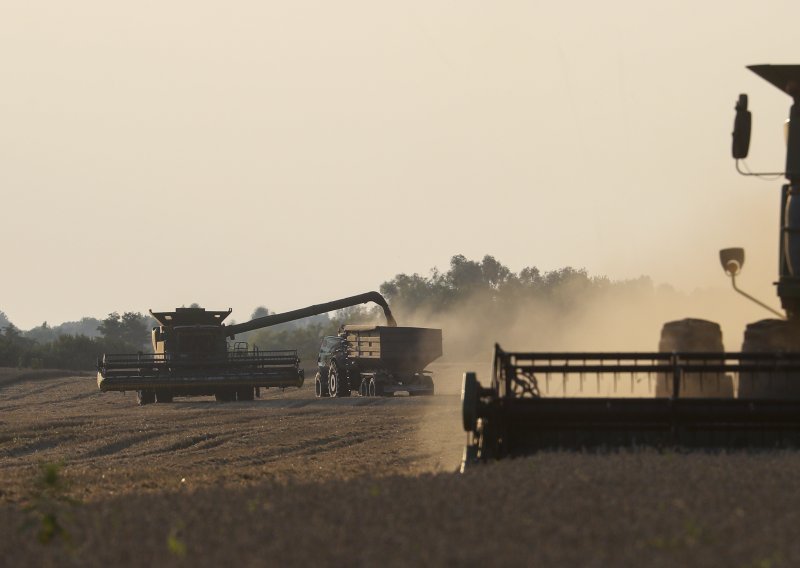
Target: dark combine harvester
[
  {"x": 690, "y": 393},
  {"x": 192, "y": 356}
]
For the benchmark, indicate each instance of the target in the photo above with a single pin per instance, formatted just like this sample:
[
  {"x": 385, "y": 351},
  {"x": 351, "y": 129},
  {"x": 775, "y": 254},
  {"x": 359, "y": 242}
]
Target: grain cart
[
  {"x": 682, "y": 395},
  {"x": 192, "y": 356},
  {"x": 377, "y": 361}
]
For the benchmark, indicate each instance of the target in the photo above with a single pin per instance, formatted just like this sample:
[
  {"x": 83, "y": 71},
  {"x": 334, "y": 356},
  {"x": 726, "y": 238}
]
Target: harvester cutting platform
[
  {"x": 192, "y": 356},
  {"x": 690, "y": 393}
]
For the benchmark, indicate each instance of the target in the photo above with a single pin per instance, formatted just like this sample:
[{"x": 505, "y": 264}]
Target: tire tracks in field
[{"x": 19, "y": 392}]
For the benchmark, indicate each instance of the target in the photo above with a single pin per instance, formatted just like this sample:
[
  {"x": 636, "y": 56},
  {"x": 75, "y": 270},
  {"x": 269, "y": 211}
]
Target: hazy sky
[{"x": 235, "y": 154}]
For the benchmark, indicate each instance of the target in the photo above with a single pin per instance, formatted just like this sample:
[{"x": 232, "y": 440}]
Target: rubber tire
[
  {"x": 163, "y": 397},
  {"x": 227, "y": 395},
  {"x": 338, "y": 384},
  {"x": 320, "y": 386},
  {"x": 145, "y": 397},
  {"x": 245, "y": 394},
  {"x": 378, "y": 388}
]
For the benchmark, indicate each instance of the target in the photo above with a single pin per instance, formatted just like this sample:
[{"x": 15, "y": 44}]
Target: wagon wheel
[{"x": 320, "y": 386}]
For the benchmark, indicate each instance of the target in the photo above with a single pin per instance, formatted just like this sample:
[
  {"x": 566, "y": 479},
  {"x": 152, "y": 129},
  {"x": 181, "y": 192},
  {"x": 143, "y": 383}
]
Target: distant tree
[
  {"x": 85, "y": 326},
  {"x": 130, "y": 328},
  {"x": 259, "y": 312},
  {"x": 4, "y": 321},
  {"x": 42, "y": 333}
]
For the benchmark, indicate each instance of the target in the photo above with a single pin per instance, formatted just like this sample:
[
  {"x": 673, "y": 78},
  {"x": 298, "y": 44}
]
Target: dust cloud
[{"x": 621, "y": 318}]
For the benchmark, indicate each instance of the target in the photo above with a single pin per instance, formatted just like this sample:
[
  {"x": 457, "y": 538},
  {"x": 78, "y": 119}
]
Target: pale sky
[{"x": 236, "y": 154}]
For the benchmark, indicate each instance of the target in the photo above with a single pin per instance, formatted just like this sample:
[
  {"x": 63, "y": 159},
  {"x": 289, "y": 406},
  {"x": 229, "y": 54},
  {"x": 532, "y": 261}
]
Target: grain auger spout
[
  {"x": 191, "y": 356},
  {"x": 275, "y": 319}
]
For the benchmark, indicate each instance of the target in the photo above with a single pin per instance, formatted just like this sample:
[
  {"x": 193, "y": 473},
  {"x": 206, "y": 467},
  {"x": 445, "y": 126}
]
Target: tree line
[
  {"x": 43, "y": 347},
  {"x": 486, "y": 289}
]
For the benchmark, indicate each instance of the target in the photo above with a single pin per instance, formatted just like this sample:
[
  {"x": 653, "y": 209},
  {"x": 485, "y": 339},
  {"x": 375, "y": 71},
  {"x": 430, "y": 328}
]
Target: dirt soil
[{"x": 292, "y": 480}]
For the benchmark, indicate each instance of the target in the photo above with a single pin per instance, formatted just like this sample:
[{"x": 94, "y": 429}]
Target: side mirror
[
  {"x": 732, "y": 260},
  {"x": 741, "y": 129}
]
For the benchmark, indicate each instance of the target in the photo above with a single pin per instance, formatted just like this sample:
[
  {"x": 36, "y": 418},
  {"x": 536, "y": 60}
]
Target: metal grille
[{"x": 644, "y": 375}]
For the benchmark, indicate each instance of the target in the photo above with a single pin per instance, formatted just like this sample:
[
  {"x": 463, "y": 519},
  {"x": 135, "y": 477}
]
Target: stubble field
[{"x": 292, "y": 480}]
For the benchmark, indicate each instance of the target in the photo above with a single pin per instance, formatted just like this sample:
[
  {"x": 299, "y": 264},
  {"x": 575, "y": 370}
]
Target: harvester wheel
[
  {"x": 469, "y": 401},
  {"x": 227, "y": 395},
  {"x": 320, "y": 386},
  {"x": 245, "y": 394},
  {"x": 145, "y": 397},
  {"x": 163, "y": 396},
  {"x": 338, "y": 385}
]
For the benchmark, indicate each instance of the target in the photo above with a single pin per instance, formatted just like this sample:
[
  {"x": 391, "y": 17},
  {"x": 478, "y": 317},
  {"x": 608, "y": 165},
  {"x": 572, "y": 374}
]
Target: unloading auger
[{"x": 688, "y": 394}]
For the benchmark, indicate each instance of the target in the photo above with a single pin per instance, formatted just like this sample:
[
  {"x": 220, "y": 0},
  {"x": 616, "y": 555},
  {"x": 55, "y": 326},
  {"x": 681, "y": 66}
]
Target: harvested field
[{"x": 289, "y": 479}]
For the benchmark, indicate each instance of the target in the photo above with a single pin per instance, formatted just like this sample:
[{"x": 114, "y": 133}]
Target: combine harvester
[
  {"x": 192, "y": 356},
  {"x": 690, "y": 393}
]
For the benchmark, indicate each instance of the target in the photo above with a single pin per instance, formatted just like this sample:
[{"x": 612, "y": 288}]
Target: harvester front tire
[
  {"x": 225, "y": 395},
  {"x": 245, "y": 394},
  {"x": 163, "y": 396},
  {"x": 338, "y": 385},
  {"x": 145, "y": 397}
]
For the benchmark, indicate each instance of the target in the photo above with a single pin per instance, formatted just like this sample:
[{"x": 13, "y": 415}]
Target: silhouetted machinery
[
  {"x": 192, "y": 356},
  {"x": 377, "y": 361},
  {"x": 690, "y": 393}
]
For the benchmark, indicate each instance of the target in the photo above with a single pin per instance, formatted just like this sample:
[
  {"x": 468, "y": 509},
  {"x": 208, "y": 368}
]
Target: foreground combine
[
  {"x": 192, "y": 356},
  {"x": 690, "y": 393}
]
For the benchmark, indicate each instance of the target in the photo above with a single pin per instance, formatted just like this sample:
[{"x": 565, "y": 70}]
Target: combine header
[
  {"x": 192, "y": 356},
  {"x": 690, "y": 393}
]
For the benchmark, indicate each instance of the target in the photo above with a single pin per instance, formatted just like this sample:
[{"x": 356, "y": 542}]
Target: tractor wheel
[
  {"x": 245, "y": 394},
  {"x": 338, "y": 385},
  {"x": 320, "y": 386},
  {"x": 163, "y": 396},
  {"x": 145, "y": 397}
]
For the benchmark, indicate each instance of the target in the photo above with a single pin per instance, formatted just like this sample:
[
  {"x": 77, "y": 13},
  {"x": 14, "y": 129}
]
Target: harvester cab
[
  {"x": 189, "y": 333},
  {"x": 192, "y": 356},
  {"x": 690, "y": 393}
]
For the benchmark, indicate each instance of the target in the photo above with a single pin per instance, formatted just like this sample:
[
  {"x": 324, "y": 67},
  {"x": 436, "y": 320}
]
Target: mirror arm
[{"x": 752, "y": 299}]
